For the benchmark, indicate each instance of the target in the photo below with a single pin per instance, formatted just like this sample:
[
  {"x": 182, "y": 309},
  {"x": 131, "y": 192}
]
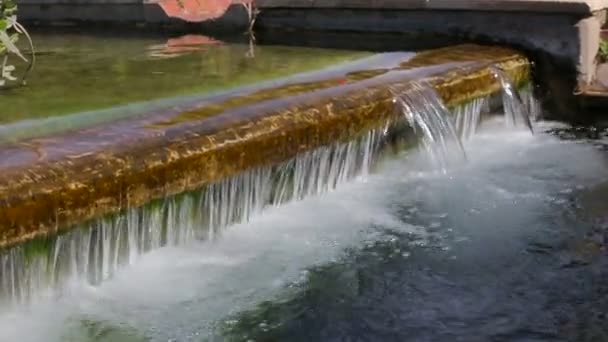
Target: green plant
[
  {"x": 10, "y": 30},
  {"x": 603, "y": 52}
]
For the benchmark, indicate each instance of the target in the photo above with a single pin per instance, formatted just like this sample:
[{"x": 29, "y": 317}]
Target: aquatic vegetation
[
  {"x": 603, "y": 51},
  {"x": 10, "y": 30}
]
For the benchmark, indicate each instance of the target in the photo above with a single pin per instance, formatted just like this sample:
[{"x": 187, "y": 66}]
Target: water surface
[
  {"x": 84, "y": 72},
  {"x": 509, "y": 246}
]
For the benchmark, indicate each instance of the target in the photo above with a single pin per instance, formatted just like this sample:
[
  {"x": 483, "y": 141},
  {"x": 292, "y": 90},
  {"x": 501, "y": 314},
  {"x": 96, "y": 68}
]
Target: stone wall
[
  {"x": 91, "y": 12},
  {"x": 571, "y": 37},
  {"x": 568, "y": 30}
]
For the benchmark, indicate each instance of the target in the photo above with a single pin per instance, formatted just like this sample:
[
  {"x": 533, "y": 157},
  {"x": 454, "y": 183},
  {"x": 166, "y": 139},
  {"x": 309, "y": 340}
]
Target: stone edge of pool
[{"x": 46, "y": 198}]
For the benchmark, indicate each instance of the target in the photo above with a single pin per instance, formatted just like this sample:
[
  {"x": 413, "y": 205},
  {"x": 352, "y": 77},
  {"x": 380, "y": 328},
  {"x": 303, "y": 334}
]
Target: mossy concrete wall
[{"x": 50, "y": 185}]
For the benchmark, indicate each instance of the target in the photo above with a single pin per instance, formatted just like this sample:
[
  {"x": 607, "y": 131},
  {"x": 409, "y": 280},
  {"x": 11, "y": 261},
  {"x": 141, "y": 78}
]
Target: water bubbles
[{"x": 231, "y": 322}]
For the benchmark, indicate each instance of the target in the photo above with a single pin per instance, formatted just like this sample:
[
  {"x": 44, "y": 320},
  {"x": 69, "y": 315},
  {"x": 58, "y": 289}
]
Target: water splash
[
  {"x": 515, "y": 108},
  {"x": 425, "y": 112},
  {"x": 96, "y": 250}
]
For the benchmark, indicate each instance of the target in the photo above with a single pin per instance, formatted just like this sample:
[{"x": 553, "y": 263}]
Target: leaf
[
  {"x": 6, "y": 73},
  {"x": 11, "y": 21},
  {"x": 10, "y": 9},
  {"x": 9, "y": 44}
]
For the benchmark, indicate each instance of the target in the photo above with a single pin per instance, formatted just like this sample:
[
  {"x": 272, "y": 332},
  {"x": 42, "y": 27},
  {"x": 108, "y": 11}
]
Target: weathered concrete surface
[
  {"x": 547, "y": 6},
  {"x": 51, "y": 12},
  {"x": 567, "y": 29},
  {"x": 50, "y": 184}
]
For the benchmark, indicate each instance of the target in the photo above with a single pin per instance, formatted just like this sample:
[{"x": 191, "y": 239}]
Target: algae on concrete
[{"x": 42, "y": 197}]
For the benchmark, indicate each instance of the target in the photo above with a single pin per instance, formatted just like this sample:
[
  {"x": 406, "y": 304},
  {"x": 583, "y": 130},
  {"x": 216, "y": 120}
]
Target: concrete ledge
[
  {"x": 555, "y": 34},
  {"x": 571, "y": 37},
  {"x": 102, "y": 12},
  {"x": 50, "y": 185},
  {"x": 542, "y": 6}
]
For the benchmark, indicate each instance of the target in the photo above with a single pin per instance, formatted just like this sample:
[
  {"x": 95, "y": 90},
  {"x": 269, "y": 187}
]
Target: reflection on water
[
  {"x": 176, "y": 47},
  {"x": 80, "y": 72}
]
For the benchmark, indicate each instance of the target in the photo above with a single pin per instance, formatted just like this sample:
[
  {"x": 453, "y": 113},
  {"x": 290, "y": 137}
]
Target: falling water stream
[
  {"x": 196, "y": 266},
  {"x": 94, "y": 251},
  {"x": 424, "y": 111},
  {"x": 515, "y": 108}
]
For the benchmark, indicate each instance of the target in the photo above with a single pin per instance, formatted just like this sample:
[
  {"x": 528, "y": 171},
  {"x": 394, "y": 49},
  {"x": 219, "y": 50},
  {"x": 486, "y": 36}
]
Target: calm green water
[{"x": 80, "y": 72}]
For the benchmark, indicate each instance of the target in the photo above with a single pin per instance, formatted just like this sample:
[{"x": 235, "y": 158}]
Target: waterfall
[
  {"x": 441, "y": 131},
  {"x": 468, "y": 117},
  {"x": 515, "y": 108},
  {"x": 95, "y": 250},
  {"x": 425, "y": 112}
]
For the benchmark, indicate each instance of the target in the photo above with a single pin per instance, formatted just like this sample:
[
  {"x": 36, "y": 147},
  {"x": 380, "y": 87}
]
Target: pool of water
[
  {"x": 508, "y": 246},
  {"x": 511, "y": 245},
  {"x": 80, "y": 72}
]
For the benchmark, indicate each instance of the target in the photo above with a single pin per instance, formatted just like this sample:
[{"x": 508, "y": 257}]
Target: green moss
[
  {"x": 603, "y": 51},
  {"x": 40, "y": 247}
]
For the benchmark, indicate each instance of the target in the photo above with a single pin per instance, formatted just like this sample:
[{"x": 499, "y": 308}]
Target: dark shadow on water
[
  {"x": 378, "y": 42},
  {"x": 397, "y": 291},
  {"x": 546, "y": 280}
]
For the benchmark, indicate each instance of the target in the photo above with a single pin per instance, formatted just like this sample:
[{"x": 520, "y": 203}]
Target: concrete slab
[
  {"x": 76, "y": 176},
  {"x": 546, "y": 6}
]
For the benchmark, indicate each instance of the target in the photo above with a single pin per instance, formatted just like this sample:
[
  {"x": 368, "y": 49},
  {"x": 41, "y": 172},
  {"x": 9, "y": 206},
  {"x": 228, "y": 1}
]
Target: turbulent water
[
  {"x": 504, "y": 246},
  {"x": 494, "y": 249},
  {"x": 93, "y": 252}
]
